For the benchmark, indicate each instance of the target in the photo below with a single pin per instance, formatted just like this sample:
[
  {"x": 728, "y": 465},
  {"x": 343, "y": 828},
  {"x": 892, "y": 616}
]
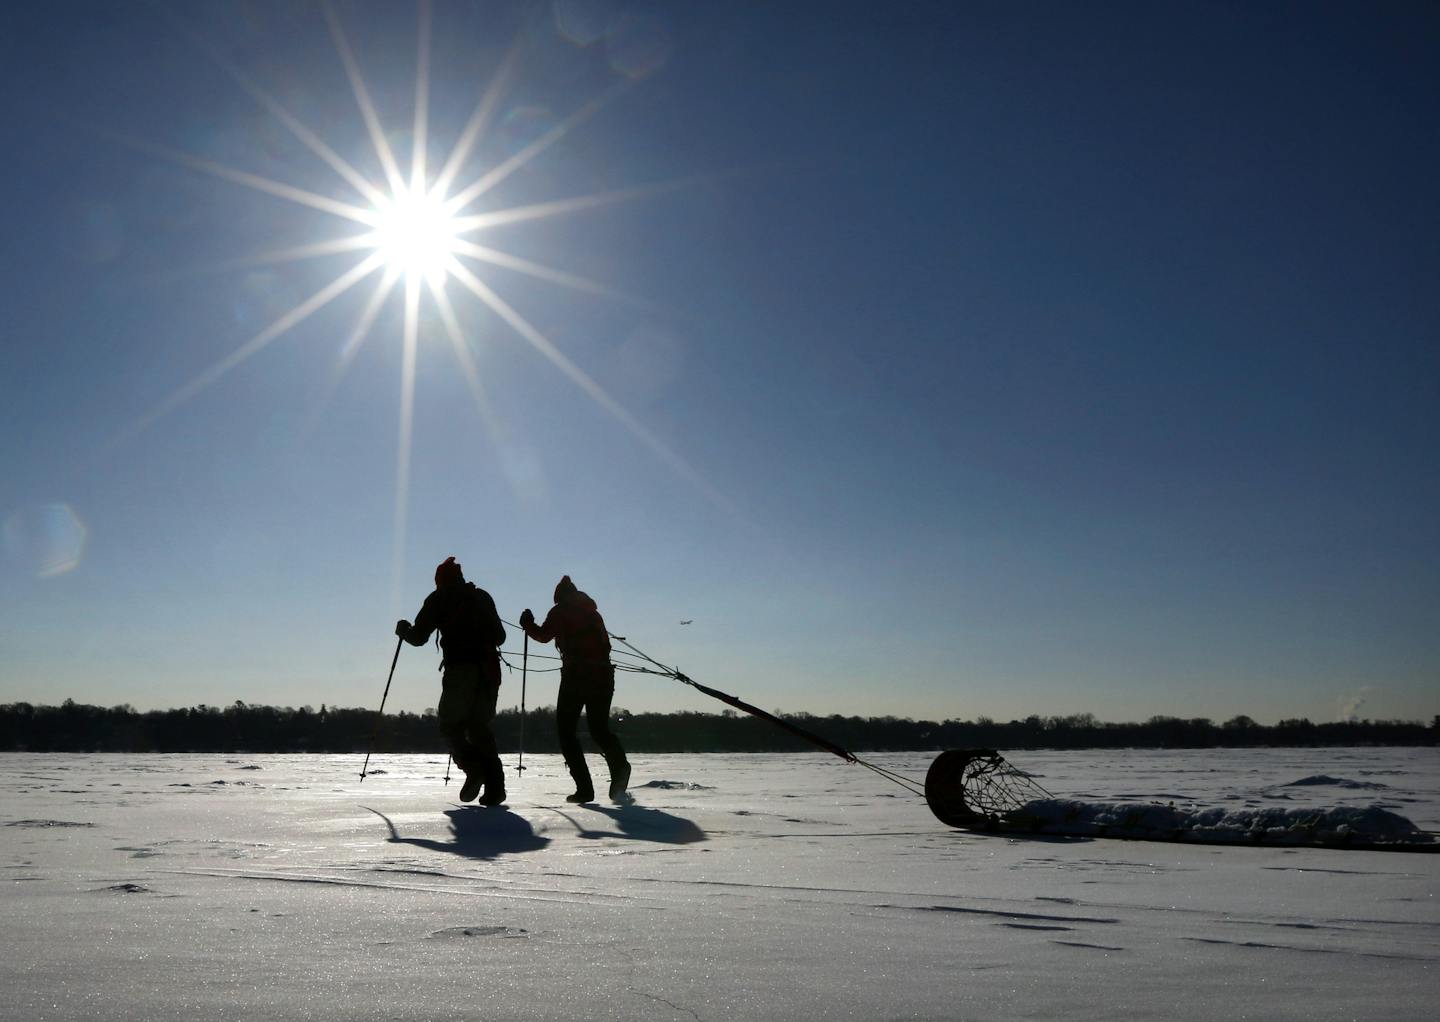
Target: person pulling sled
[
  {"x": 587, "y": 682},
  {"x": 470, "y": 637}
]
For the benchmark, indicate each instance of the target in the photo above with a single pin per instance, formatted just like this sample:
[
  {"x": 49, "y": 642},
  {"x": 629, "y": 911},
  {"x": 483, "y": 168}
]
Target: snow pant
[
  {"x": 467, "y": 709},
  {"x": 588, "y": 687}
]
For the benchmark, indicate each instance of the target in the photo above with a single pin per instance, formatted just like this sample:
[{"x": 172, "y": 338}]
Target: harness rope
[
  {"x": 637, "y": 661},
  {"x": 664, "y": 670}
]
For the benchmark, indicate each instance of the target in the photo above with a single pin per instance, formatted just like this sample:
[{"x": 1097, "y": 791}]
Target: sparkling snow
[{"x": 734, "y": 887}]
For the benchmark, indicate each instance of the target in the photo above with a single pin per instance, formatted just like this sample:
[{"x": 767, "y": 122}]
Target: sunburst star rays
[
  {"x": 416, "y": 230},
  {"x": 362, "y": 99},
  {"x": 276, "y": 329},
  {"x": 585, "y": 382}
]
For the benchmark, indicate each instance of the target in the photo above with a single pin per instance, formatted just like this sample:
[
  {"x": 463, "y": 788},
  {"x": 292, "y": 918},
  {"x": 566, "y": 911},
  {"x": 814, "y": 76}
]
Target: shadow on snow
[
  {"x": 477, "y": 833},
  {"x": 637, "y": 823},
  {"x": 480, "y": 833}
]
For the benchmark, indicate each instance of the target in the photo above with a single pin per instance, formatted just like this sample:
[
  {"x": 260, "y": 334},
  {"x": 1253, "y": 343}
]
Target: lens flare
[{"x": 45, "y": 540}]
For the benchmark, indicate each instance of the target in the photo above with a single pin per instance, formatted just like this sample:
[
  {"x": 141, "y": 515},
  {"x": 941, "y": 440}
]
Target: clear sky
[{"x": 932, "y": 359}]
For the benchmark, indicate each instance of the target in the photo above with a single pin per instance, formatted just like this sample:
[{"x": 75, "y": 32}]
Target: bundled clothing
[
  {"x": 587, "y": 682},
  {"x": 470, "y": 637}
]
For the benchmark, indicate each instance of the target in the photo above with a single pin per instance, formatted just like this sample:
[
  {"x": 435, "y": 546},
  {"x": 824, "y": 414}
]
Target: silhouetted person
[
  {"x": 470, "y": 637},
  {"x": 587, "y": 682}
]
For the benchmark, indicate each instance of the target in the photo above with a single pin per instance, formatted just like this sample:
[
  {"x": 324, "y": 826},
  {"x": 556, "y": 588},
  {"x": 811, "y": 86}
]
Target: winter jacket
[
  {"x": 576, "y": 626},
  {"x": 470, "y": 628}
]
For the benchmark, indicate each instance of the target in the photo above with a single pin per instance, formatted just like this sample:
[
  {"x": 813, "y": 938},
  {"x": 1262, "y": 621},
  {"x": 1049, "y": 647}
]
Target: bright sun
[
  {"x": 416, "y": 235},
  {"x": 417, "y": 232}
]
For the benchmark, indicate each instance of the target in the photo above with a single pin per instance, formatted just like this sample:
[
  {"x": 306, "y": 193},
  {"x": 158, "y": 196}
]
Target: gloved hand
[
  {"x": 527, "y": 619},
  {"x": 402, "y": 629}
]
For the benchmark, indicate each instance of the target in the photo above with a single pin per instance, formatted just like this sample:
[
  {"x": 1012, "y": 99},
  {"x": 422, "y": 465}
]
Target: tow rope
[
  {"x": 636, "y": 661},
  {"x": 639, "y": 662}
]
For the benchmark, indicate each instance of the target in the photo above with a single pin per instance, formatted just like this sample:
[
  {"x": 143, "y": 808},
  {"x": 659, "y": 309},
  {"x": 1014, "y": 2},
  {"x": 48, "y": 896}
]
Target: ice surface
[{"x": 734, "y": 887}]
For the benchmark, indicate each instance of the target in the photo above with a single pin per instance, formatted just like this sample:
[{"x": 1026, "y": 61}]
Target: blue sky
[{"x": 956, "y": 359}]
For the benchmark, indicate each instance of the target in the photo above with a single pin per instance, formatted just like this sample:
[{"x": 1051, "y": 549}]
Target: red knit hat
[{"x": 448, "y": 571}]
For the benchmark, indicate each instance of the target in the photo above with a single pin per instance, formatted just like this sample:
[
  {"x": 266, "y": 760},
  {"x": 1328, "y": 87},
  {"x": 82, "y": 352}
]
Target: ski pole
[
  {"x": 380, "y": 713},
  {"x": 524, "y": 667}
]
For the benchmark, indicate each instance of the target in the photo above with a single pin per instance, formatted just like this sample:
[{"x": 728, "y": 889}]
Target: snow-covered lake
[{"x": 735, "y": 887}]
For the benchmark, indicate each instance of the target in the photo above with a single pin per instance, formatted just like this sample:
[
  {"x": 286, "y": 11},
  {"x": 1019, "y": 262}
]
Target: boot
[
  {"x": 619, "y": 781},
  {"x": 584, "y": 787},
  {"x": 494, "y": 783},
  {"x": 471, "y": 787}
]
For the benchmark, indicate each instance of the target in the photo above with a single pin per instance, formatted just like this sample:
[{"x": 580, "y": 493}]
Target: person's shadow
[
  {"x": 477, "y": 833},
  {"x": 639, "y": 824}
]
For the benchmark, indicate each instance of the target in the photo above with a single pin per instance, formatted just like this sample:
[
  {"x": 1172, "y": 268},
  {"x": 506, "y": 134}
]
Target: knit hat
[
  {"x": 448, "y": 571},
  {"x": 564, "y": 588}
]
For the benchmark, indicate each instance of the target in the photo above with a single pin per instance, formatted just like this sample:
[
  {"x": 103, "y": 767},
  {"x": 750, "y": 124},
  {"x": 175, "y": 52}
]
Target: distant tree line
[{"x": 240, "y": 727}]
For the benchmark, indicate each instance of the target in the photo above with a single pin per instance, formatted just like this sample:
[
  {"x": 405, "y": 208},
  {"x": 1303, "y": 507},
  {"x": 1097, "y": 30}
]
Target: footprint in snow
[{"x": 478, "y": 931}]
